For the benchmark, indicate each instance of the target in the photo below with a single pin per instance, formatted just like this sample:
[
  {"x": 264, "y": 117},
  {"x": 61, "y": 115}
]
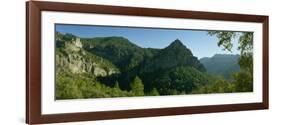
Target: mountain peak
[
  {"x": 178, "y": 47},
  {"x": 176, "y": 54},
  {"x": 177, "y": 44}
]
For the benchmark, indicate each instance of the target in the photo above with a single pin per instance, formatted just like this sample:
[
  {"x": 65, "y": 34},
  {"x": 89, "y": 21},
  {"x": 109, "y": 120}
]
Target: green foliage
[
  {"x": 118, "y": 50},
  {"x": 73, "y": 86},
  {"x": 246, "y": 42},
  {"x": 180, "y": 80},
  {"x": 219, "y": 85},
  {"x": 243, "y": 81},
  {"x": 246, "y": 62},
  {"x": 225, "y": 38},
  {"x": 137, "y": 87},
  {"x": 246, "y": 47},
  {"x": 67, "y": 89},
  {"x": 154, "y": 92}
]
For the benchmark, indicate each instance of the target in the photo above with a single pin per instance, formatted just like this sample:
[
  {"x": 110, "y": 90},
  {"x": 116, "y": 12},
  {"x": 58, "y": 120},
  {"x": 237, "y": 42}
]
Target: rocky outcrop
[
  {"x": 71, "y": 58},
  {"x": 73, "y": 46}
]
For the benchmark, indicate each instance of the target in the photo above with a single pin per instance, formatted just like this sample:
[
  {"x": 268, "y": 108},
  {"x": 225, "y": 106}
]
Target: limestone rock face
[
  {"x": 99, "y": 72},
  {"x": 73, "y": 46},
  {"x": 72, "y": 58}
]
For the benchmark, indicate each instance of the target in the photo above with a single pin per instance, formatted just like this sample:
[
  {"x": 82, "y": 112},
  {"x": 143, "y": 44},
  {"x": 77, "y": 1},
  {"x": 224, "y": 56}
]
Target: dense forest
[{"x": 104, "y": 67}]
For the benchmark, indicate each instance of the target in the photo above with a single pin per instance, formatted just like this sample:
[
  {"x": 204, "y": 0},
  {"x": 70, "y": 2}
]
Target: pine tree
[{"x": 137, "y": 87}]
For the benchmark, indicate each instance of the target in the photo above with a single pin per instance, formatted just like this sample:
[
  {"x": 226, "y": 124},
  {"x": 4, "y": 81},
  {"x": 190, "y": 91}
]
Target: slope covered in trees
[{"x": 221, "y": 64}]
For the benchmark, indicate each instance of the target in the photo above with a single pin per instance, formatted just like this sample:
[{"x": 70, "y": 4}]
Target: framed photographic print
[{"x": 94, "y": 62}]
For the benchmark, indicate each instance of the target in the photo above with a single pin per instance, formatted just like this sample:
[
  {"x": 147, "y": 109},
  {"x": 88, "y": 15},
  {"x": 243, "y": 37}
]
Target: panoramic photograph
[{"x": 111, "y": 61}]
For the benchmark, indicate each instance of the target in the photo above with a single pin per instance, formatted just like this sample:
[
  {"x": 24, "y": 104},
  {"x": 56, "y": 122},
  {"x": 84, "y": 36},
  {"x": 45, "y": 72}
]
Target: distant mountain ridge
[{"x": 221, "y": 64}]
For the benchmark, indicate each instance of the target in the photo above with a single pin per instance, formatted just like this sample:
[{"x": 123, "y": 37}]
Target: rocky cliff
[{"x": 72, "y": 58}]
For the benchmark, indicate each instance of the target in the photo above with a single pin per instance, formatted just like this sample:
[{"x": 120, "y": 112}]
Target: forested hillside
[
  {"x": 221, "y": 64},
  {"x": 103, "y": 67}
]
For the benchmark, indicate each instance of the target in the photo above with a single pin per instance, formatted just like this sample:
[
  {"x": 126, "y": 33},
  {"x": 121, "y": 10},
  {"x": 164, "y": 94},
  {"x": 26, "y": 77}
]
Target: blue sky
[{"x": 199, "y": 42}]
